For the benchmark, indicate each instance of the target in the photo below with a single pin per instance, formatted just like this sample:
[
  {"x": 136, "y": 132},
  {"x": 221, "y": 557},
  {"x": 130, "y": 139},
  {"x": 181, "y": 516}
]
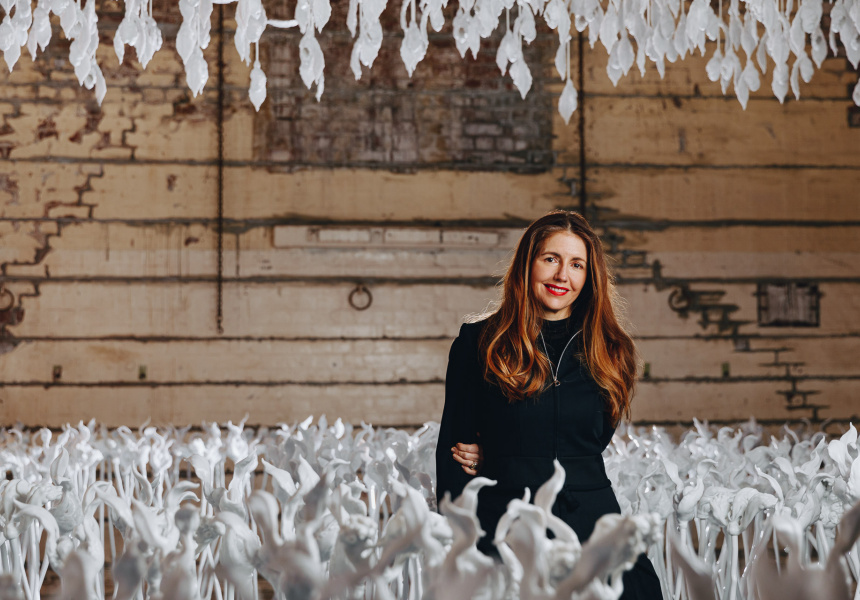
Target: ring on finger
[{"x": 474, "y": 466}]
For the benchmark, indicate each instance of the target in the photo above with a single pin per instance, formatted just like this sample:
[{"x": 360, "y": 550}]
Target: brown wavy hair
[{"x": 508, "y": 342}]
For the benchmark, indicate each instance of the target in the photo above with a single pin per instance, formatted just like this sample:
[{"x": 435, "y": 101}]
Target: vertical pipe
[
  {"x": 583, "y": 198},
  {"x": 219, "y": 302}
]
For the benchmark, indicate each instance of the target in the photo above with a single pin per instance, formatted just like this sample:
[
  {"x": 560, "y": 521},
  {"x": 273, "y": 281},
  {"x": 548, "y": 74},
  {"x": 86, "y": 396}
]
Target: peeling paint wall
[{"x": 406, "y": 195}]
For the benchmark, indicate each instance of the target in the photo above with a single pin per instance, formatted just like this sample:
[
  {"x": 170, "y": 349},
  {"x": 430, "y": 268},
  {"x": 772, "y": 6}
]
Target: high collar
[{"x": 564, "y": 328}]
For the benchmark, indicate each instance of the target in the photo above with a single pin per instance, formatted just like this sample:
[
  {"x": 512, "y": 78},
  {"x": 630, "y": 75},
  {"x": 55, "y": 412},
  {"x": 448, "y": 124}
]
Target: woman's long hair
[{"x": 508, "y": 341}]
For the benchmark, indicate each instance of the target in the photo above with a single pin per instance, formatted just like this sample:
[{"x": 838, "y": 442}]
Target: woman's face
[{"x": 559, "y": 273}]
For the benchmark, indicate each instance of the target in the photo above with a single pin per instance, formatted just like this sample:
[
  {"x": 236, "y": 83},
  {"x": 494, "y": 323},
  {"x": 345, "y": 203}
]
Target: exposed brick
[
  {"x": 425, "y": 117},
  {"x": 484, "y": 143},
  {"x": 467, "y": 143},
  {"x": 487, "y": 129},
  {"x": 153, "y": 96},
  {"x": 524, "y": 130}
]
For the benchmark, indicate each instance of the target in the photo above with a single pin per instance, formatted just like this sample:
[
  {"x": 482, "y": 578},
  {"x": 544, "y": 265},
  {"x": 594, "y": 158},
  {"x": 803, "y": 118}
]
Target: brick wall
[{"x": 109, "y": 231}]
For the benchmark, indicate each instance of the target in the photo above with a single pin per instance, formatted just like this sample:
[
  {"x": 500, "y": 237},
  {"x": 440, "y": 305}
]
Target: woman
[{"x": 548, "y": 375}]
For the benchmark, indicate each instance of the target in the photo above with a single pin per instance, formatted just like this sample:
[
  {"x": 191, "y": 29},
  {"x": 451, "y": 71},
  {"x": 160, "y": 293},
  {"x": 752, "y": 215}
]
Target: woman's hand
[{"x": 470, "y": 457}]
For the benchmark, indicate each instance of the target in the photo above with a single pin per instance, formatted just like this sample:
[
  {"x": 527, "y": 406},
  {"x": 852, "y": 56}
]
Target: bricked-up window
[
  {"x": 452, "y": 113},
  {"x": 791, "y": 304}
]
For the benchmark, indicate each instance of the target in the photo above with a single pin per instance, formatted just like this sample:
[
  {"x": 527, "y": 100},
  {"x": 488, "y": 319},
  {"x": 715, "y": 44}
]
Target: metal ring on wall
[
  {"x": 679, "y": 300},
  {"x": 360, "y": 290}
]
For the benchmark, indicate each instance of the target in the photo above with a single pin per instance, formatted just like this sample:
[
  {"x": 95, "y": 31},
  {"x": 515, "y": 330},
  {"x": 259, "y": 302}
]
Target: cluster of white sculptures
[
  {"x": 752, "y": 37},
  {"x": 325, "y": 511}
]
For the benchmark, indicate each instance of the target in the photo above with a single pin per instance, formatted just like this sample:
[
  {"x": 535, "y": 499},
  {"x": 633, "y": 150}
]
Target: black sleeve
[{"x": 459, "y": 424}]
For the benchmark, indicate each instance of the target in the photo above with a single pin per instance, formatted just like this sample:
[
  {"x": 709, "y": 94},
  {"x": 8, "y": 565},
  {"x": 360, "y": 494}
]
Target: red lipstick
[{"x": 556, "y": 290}]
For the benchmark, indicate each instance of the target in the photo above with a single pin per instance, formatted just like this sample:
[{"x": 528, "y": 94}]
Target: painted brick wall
[{"x": 412, "y": 190}]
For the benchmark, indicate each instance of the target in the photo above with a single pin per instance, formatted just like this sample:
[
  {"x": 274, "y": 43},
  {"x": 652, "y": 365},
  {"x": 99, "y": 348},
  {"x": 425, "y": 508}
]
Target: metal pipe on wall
[{"x": 219, "y": 301}]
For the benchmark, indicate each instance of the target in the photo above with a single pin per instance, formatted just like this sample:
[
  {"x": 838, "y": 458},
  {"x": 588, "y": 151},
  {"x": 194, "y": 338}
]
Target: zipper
[
  {"x": 555, "y": 421},
  {"x": 555, "y": 386}
]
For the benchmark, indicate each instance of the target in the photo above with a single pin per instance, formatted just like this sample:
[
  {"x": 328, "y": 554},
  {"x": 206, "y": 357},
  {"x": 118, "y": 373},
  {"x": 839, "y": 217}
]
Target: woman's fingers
[
  {"x": 469, "y": 466},
  {"x": 474, "y": 448},
  {"x": 469, "y": 456},
  {"x": 469, "y": 450},
  {"x": 473, "y": 452},
  {"x": 470, "y": 470},
  {"x": 466, "y": 460}
]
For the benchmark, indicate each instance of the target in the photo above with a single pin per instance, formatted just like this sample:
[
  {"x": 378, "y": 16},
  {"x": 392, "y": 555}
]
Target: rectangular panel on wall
[
  {"x": 376, "y": 237},
  {"x": 791, "y": 304}
]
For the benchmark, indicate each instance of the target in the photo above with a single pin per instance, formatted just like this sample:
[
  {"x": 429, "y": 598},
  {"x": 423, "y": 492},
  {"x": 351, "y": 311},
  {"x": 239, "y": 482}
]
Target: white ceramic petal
[
  {"x": 561, "y": 57},
  {"x": 322, "y": 13},
  {"x": 352, "y": 17},
  {"x": 819, "y": 46},
  {"x": 461, "y": 24},
  {"x": 413, "y": 47},
  {"x": 852, "y": 47},
  {"x": 749, "y": 36},
  {"x": 308, "y": 52},
  {"x": 101, "y": 85},
  {"x": 714, "y": 66},
  {"x": 355, "y": 60},
  {"x": 186, "y": 42},
  {"x": 526, "y": 23},
  {"x": 609, "y": 28},
  {"x": 849, "y": 438},
  {"x": 521, "y": 76}
]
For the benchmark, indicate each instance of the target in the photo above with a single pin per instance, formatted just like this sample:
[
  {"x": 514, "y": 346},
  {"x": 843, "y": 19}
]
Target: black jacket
[{"x": 520, "y": 439}]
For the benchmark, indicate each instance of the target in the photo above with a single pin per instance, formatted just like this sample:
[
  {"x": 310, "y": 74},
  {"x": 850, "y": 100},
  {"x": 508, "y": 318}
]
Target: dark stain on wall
[{"x": 453, "y": 113}]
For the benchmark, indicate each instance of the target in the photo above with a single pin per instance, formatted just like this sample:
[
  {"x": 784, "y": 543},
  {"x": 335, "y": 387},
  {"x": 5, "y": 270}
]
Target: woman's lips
[{"x": 555, "y": 290}]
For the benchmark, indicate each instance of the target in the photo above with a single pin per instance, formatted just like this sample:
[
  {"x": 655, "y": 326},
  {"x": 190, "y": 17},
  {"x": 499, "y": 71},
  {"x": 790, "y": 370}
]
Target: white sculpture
[
  {"x": 327, "y": 511},
  {"x": 661, "y": 30}
]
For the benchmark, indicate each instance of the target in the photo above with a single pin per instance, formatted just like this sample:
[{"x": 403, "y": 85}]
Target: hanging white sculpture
[{"x": 789, "y": 35}]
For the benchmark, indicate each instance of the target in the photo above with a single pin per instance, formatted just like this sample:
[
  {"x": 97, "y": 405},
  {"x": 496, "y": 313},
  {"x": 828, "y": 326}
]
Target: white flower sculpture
[
  {"x": 639, "y": 32},
  {"x": 325, "y": 511}
]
